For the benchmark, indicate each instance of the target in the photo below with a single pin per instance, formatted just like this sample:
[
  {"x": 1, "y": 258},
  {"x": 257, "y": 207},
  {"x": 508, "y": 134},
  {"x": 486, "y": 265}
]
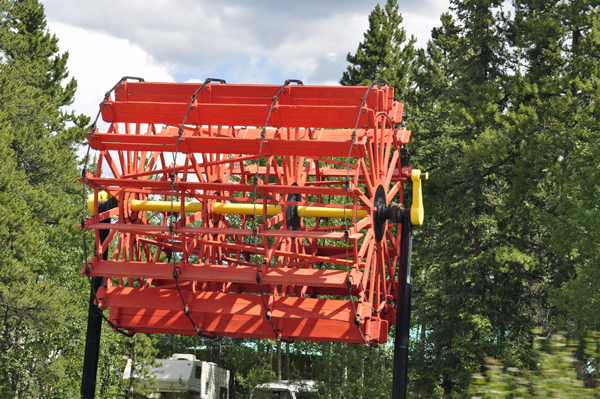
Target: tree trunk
[
  {"x": 232, "y": 383},
  {"x": 345, "y": 374},
  {"x": 133, "y": 360},
  {"x": 278, "y": 360},
  {"x": 220, "y": 353},
  {"x": 362, "y": 377},
  {"x": 287, "y": 349},
  {"x": 330, "y": 368},
  {"x": 270, "y": 349}
]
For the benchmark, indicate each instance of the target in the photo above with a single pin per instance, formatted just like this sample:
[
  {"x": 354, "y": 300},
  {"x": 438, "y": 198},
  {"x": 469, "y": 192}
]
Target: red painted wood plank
[
  {"x": 173, "y": 322},
  {"x": 226, "y": 273},
  {"x": 222, "y": 303},
  {"x": 238, "y": 114},
  {"x": 240, "y": 94},
  {"x": 179, "y": 186}
]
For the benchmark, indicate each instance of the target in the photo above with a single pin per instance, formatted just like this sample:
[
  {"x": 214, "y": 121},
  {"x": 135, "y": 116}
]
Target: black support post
[
  {"x": 92, "y": 346},
  {"x": 94, "y": 326},
  {"x": 400, "y": 376}
]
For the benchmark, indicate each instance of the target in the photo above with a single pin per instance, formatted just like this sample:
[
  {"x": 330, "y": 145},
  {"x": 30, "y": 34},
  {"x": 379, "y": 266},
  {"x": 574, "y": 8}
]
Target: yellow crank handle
[{"x": 417, "y": 211}]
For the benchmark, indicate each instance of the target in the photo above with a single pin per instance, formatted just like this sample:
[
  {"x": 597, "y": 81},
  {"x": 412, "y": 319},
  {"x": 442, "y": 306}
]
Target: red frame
[{"x": 304, "y": 277}]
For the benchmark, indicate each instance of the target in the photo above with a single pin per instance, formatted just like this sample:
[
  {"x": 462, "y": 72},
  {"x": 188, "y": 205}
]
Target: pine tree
[
  {"x": 40, "y": 287},
  {"x": 430, "y": 147},
  {"x": 383, "y": 54},
  {"x": 557, "y": 113},
  {"x": 505, "y": 118},
  {"x": 27, "y": 41},
  {"x": 474, "y": 276}
]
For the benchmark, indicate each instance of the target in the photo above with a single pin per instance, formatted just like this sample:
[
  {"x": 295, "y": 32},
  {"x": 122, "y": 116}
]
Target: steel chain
[
  {"x": 176, "y": 269},
  {"x": 83, "y": 220},
  {"x": 254, "y": 227}
]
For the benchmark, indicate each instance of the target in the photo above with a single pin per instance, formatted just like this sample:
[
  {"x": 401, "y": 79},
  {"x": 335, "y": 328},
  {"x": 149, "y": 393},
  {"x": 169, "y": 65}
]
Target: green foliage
[
  {"x": 142, "y": 354},
  {"x": 255, "y": 376},
  {"x": 558, "y": 96},
  {"x": 504, "y": 121},
  {"x": 472, "y": 277},
  {"x": 383, "y": 55},
  {"x": 40, "y": 297},
  {"x": 555, "y": 376}
]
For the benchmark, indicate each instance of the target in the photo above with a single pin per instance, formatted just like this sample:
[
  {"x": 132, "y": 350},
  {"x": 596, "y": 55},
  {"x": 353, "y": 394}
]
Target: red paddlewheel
[{"x": 306, "y": 260}]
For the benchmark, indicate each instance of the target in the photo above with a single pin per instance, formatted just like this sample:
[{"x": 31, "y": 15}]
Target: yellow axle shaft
[{"x": 222, "y": 208}]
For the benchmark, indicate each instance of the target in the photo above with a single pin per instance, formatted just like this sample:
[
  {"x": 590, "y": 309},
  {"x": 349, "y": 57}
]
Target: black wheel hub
[
  {"x": 291, "y": 211},
  {"x": 381, "y": 214}
]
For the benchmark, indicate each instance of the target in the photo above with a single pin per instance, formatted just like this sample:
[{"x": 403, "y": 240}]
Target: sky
[{"x": 241, "y": 41}]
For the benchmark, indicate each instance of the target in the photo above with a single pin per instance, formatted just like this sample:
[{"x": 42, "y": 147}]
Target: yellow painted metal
[
  {"x": 231, "y": 208},
  {"x": 417, "y": 212},
  {"x": 315, "y": 211},
  {"x": 102, "y": 195},
  {"x": 222, "y": 208},
  {"x": 164, "y": 206}
]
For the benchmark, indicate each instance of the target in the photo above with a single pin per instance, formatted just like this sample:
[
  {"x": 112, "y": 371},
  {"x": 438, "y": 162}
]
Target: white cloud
[
  {"x": 241, "y": 41},
  {"x": 98, "y": 60},
  {"x": 420, "y": 25}
]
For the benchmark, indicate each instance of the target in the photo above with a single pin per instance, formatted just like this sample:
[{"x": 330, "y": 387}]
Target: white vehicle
[
  {"x": 182, "y": 373},
  {"x": 284, "y": 389}
]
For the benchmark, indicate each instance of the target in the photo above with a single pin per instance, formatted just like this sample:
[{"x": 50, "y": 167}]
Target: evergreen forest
[{"x": 504, "y": 106}]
